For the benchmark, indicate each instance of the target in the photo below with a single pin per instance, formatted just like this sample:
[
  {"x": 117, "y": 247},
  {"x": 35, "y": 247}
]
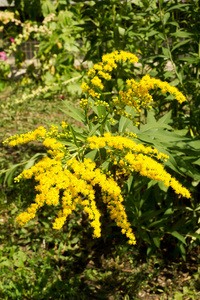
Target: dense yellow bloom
[
  {"x": 136, "y": 94},
  {"x": 116, "y": 56},
  {"x": 139, "y": 159},
  {"x": 97, "y": 82},
  {"x": 102, "y": 69},
  {"x": 141, "y": 90},
  {"x": 123, "y": 144},
  {"x": 37, "y": 134},
  {"x": 52, "y": 143},
  {"x": 77, "y": 182},
  {"x": 150, "y": 168}
]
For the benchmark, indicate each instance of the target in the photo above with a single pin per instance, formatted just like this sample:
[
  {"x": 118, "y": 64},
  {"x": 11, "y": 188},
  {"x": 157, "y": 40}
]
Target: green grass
[{"x": 37, "y": 262}]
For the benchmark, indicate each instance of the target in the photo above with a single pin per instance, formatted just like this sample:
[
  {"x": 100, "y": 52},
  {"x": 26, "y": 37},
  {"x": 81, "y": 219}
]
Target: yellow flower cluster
[
  {"x": 139, "y": 159},
  {"x": 123, "y": 144},
  {"x": 83, "y": 103},
  {"x": 152, "y": 83},
  {"x": 97, "y": 82},
  {"x": 77, "y": 182},
  {"x": 111, "y": 194},
  {"x": 118, "y": 56},
  {"x": 37, "y": 134},
  {"x": 137, "y": 94},
  {"x": 150, "y": 168},
  {"x": 103, "y": 70},
  {"x": 52, "y": 143}
]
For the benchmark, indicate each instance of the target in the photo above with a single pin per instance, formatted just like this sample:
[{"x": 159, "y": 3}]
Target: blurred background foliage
[{"x": 71, "y": 36}]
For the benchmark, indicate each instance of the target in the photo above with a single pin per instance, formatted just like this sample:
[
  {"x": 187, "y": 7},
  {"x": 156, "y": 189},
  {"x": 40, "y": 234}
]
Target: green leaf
[
  {"x": 73, "y": 135},
  {"x": 156, "y": 241},
  {"x": 100, "y": 110},
  {"x": 32, "y": 161},
  {"x": 166, "y": 17},
  {"x": 180, "y": 44},
  {"x": 182, "y": 34},
  {"x": 152, "y": 33},
  {"x": 123, "y": 124},
  {"x": 196, "y": 162},
  {"x": 178, "y": 236},
  {"x": 94, "y": 129},
  {"x": 92, "y": 154},
  {"x": 75, "y": 113},
  {"x": 121, "y": 31},
  {"x": 178, "y": 6},
  {"x": 165, "y": 52},
  {"x": 166, "y": 118}
]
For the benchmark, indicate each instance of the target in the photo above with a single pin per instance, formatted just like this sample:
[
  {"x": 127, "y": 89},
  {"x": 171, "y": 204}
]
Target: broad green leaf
[
  {"x": 166, "y": 118},
  {"x": 129, "y": 182},
  {"x": 152, "y": 33},
  {"x": 92, "y": 154},
  {"x": 175, "y": 82},
  {"x": 190, "y": 60},
  {"x": 156, "y": 241},
  {"x": 100, "y": 110},
  {"x": 121, "y": 31},
  {"x": 194, "y": 235},
  {"x": 31, "y": 162},
  {"x": 159, "y": 223},
  {"x": 165, "y": 52},
  {"x": 196, "y": 162}
]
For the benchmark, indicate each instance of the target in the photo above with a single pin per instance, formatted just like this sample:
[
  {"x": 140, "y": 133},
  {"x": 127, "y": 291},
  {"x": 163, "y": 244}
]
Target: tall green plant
[
  {"x": 164, "y": 33},
  {"x": 96, "y": 166}
]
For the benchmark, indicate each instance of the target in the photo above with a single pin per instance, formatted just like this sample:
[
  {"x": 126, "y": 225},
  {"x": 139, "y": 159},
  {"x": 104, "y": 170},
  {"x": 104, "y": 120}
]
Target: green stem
[{"x": 198, "y": 69}]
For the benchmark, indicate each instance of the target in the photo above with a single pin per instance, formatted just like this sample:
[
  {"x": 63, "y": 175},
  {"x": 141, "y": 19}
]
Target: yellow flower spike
[
  {"x": 37, "y": 134},
  {"x": 97, "y": 82},
  {"x": 137, "y": 157},
  {"x": 150, "y": 168}
]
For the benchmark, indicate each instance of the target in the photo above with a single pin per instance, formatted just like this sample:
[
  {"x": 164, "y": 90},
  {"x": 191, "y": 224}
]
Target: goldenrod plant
[{"x": 91, "y": 164}]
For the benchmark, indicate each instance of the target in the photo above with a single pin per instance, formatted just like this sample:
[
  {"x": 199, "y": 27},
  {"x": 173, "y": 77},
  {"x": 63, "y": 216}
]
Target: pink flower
[
  {"x": 3, "y": 55},
  {"x": 12, "y": 40}
]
